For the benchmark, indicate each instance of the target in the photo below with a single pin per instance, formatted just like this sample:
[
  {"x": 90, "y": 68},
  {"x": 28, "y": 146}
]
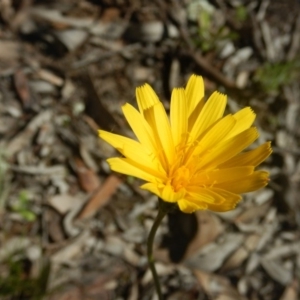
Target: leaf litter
[{"x": 74, "y": 229}]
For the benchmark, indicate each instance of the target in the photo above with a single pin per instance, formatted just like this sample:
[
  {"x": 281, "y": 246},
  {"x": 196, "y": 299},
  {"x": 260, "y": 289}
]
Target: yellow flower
[{"x": 195, "y": 156}]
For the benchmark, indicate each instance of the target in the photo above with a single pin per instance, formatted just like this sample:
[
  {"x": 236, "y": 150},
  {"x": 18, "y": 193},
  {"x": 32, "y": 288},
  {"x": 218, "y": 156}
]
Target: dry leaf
[
  {"x": 253, "y": 213},
  {"x": 241, "y": 254},
  {"x": 209, "y": 228},
  {"x": 277, "y": 271},
  {"x": 217, "y": 287},
  {"x": 68, "y": 253},
  {"x": 212, "y": 256},
  {"x": 22, "y": 88},
  {"x": 88, "y": 180},
  {"x": 292, "y": 291},
  {"x": 9, "y": 51},
  {"x": 24, "y": 138},
  {"x": 64, "y": 202}
]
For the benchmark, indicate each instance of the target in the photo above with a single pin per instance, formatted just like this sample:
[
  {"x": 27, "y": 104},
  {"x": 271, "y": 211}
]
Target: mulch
[{"x": 72, "y": 229}]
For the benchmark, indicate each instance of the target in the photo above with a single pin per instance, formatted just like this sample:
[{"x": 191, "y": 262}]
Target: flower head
[{"x": 194, "y": 157}]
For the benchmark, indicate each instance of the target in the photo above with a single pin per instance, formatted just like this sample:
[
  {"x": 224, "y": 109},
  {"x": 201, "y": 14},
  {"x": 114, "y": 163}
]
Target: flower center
[{"x": 180, "y": 178}]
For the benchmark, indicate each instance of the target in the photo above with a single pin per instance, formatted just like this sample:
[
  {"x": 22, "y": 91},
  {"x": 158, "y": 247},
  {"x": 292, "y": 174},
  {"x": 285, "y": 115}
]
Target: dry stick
[
  {"x": 218, "y": 76},
  {"x": 202, "y": 62},
  {"x": 192, "y": 51}
]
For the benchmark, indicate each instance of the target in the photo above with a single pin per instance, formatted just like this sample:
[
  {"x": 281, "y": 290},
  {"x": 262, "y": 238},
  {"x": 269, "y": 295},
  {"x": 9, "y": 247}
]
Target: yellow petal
[
  {"x": 247, "y": 184},
  {"x": 155, "y": 115},
  {"x": 195, "y": 115},
  {"x": 169, "y": 195},
  {"x": 221, "y": 175},
  {"x": 178, "y": 115},
  {"x": 200, "y": 194},
  {"x": 140, "y": 127},
  {"x": 129, "y": 167},
  {"x": 231, "y": 200},
  {"x": 133, "y": 150},
  {"x": 146, "y": 97},
  {"x": 119, "y": 142},
  {"x": 147, "y": 100},
  {"x": 188, "y": 206},
  {"x": 164, "y": 192},
  {"x": 228, "y": 149},
  {"x": 163, "y": 130},
  {"x": 250, "y": 158},
  {"x": 215, "y": 135},
  {"x": 194, "y": 92},
  {"x": 222, "y": 201},
  {"x": 245, "y": 118},
  {"x": 212, "y": 111},
  {"x": 153, "y": 188}
]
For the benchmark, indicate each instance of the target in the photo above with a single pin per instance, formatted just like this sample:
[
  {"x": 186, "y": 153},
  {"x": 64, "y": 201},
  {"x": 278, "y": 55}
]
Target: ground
[{"x": 72, "y": 229}]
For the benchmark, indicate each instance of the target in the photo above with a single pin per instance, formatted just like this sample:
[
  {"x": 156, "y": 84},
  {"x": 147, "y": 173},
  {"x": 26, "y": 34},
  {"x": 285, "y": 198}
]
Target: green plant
[
  {"x": 273, "y": 75},
  {"x": 211, "y": 29},
  {"x": 241, "y": 13},
  {"x": 17, "y": 284},
  {"x": 22, "y": 207}
]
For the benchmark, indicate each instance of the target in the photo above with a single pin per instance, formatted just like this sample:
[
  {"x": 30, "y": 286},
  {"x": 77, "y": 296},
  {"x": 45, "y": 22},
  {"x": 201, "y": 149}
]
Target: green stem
[{"x": 163, "y": 209}]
